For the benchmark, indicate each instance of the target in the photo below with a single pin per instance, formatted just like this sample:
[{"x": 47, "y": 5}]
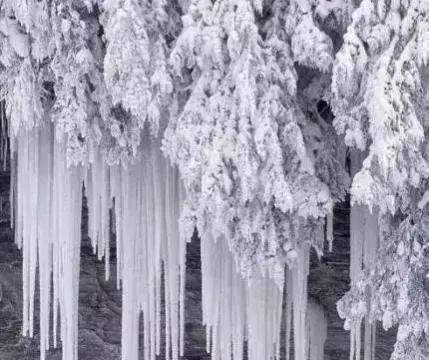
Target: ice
[{"x": 47, "y": 218}]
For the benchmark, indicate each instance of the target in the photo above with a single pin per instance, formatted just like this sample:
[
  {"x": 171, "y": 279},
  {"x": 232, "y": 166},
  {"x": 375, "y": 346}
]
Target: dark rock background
[{"x": 100, "y": 302}]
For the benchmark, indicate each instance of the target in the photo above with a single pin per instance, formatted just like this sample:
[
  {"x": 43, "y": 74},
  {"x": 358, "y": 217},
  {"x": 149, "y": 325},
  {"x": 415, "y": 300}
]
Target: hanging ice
[
  {"x": 330, "y": 230},
  {"x": 235, "y": 310},
  {"x": 147, "y": 197},
  {"x": 363, "y": 250},
  {"x": 296, "y": 303},
  {"x": 264, "y": 310},
  {"x": 47, "y": 200},
  {"x": 316, "y": 331},
  {"x": 223, "y": 301},
  {"x": 100, "y": 204},
  {"x": 364, "y": 242}
]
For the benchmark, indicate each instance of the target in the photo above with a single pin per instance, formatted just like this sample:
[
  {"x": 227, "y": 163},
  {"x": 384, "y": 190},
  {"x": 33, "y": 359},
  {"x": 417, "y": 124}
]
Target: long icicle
[
  {"x": 147, "y": 197},
  {"x": 67, "y": 205},
  {"x": 364, "y": 242},
  {"x": 316, "y": 331},
  {"x": 47, "y": 215},
  {"x": 296, "y": 302},
  {"x": 237, "y": 310}
]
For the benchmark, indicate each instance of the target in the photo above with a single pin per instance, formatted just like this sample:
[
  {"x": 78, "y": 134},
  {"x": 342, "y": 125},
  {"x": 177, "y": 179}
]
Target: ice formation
[
  {"x": 317, "y": 327},
  {"x": 296, "y": 303},
  {"x": 148, "y": 197},
  {"x": 330, "y": 230},
  {"x": 145, "y": 197},
  {"x": 47, "y": 198},
  {"x": 140, "y": 204},
  {"x": 364, "y": 242},
  {"x": 223, "y": 301},
  {"x": 237, "y": 310}
]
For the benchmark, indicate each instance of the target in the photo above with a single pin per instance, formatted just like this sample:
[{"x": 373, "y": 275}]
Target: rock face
[{"x": 100, "y": 301}]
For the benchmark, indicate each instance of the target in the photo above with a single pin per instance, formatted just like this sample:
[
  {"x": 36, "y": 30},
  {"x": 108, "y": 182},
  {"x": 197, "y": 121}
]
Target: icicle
[
  {"x": 296, "y": 302},
  {"x": 364, "y": 242},
  {"x": 4, "y": 136},
  {"x": 44, "y": 233},
  {"x": 317, "y": 328},
  {"x": 330, "y": 230},
  {"x": 147, "y": 199},
  {"x": 27, "y": 213},
  {"x": 264, "y": 310},
  {"x": 235, "y": 310},
  {"x": 67, "y": 213},
  {"x": 47, "y": 214},
  {"x": 97, "y": 191},
  {"x": 357, "y": 239},
  {"x": 223, "y": 300},
  {"x": 288, "y": 313}
]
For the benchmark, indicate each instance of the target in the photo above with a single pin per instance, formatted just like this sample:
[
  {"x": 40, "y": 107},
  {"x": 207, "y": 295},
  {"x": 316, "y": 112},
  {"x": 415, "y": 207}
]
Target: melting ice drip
[{"x": 146, "y": 198}]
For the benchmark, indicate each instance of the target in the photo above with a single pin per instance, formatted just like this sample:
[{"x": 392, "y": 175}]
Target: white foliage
[
  {"x": 18, "y": 40},
  {"x": 135, "y": 64},
  {"x": 23, "y": 106},
  {"x": 310, "y": 46},
  {"x": 378, "y": 96},
  {"x": 399, "y": 288},
  {"x": 127, "y": 57},
  {"x": 237, "y": 140},
  {"x": 80, "y": 92}
]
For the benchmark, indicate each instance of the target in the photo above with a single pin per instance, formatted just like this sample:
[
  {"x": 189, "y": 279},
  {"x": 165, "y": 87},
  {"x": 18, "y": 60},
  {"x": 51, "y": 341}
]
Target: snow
[{"x": 19, "y": 40}]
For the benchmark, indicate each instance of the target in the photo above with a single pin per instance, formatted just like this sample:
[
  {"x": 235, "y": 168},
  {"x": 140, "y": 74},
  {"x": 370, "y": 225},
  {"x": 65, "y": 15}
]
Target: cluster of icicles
[
  {"x": 364, "y": 243},
  {"x": 140, "y": 205}
]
